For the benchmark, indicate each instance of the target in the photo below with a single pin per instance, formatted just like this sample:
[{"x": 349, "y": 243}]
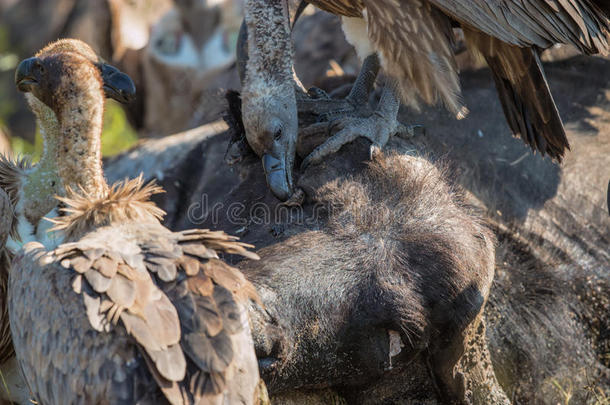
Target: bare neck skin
[
  {"x": 270, "y": 50},
  {"x": 79, "y": 143},
  {"x": 42, "y": 182}
]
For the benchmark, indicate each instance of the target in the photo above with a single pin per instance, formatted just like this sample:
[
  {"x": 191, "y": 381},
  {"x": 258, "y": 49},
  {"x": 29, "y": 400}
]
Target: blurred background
[{"x": 180, "y": 53}]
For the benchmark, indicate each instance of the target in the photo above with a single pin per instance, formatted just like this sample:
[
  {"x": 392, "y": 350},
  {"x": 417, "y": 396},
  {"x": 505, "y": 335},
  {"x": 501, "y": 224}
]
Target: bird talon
[
  {"x": 306, "y": 163},
  {"x": 410, "y": 131},
  {"x": 375, "y": 152},
  {"x": 317, "y": 93}
]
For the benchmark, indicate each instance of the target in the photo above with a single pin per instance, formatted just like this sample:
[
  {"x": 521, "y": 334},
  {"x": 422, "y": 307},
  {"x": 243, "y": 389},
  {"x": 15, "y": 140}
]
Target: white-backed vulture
[
  {"x": 28, "y": 194},
  {"x": 411, "y": 41},
  {"x": 124, "y": 310}
]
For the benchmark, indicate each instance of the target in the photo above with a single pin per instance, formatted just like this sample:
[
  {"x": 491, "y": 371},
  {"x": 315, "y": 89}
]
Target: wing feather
[
  {"x": 118, "y": 286},
  {"x": 524, "y": 93},
  {"x": 414, "y": 41},
  {"x": 540, "y": 23},
  {"x": 172, "y": 294}
]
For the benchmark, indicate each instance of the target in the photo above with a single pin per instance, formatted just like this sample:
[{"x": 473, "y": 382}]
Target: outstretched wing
[
  {"x": 540, "y": 23},
  {"x": 172, "y": 293}
]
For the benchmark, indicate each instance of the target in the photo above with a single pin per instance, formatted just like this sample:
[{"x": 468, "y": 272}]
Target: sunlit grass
[{"x": 117, "y": 136}]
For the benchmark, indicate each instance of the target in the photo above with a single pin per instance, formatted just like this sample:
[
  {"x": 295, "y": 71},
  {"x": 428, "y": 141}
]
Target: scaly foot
[{"x": 377, "y": 128}]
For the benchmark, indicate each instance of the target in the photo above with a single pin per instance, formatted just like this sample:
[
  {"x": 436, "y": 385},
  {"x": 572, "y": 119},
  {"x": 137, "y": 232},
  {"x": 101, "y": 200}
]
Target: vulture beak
[
  {"x": 278, "y": 172},
  {"x": 280, "y": 138},
  {"x": 117, "y": 85},
  {"x": 25, "y": 77}
]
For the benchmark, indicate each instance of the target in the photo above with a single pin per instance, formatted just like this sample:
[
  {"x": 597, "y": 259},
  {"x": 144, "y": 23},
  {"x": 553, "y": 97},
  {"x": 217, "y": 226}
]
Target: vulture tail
[{"x": 524, "y": 93}]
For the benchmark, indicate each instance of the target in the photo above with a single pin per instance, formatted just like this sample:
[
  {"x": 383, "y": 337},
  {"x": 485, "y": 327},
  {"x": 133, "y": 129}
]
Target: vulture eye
[{"x": 278, "y": 134}]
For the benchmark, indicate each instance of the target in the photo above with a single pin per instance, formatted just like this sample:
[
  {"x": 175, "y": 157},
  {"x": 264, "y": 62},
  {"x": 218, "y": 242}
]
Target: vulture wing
[
  {"x": 166, "y": 294},
  {"x": 540, "y": 23},
  {"x": 506, "y": 32},
  {"x": 12, "y": 170},
  {"x": 414, "y": 39},
  {"x": 524, "y": 93},
  {"x": 6, "y": 220}
]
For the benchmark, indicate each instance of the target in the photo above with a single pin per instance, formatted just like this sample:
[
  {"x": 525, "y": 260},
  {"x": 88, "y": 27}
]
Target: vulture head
[
  {"x": 43, "y": 182},
  {"x": 268, "y": 96},
  {"x": 116, "y": 84}
]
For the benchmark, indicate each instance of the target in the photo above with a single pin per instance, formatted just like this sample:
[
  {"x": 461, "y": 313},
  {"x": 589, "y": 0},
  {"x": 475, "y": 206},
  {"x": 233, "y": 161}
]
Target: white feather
[
  {"x": 50, "y": 239},
  {"x": 357, "y": 34}
]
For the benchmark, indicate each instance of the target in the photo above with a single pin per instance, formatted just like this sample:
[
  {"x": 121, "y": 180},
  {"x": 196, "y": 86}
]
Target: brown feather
[
  {"x": 524, "y": 93},
  {"x": 12, "y": 171},
  {"x": 124, "y": 201},
  {"x": 413, "y": 38}
]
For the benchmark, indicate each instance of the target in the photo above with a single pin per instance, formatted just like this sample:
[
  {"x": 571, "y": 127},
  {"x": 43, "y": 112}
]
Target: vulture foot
[
  {"x": 355, "y": 104},
  {"x": 350, "y": 118},
  {"x": 375, "y": 128}
]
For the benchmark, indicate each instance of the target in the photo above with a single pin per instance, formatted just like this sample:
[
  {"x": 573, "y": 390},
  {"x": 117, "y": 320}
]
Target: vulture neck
[
  {"x": 79, "y": 143},
  {"x": 49, "y": 128},
  {"x": 270, "y": 52},
  {"x": 42, "y": 182}
]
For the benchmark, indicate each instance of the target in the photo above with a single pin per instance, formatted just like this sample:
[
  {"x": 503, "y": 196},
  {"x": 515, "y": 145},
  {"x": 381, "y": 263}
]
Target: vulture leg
[
  {"x": 356, "y": 103},
  {"x": 319, "y": 110},
  {"x": 377, "y": 127},
  {"x": 365, "y": 81}
]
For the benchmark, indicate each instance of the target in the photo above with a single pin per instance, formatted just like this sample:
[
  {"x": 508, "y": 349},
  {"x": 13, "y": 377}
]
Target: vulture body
[
  {"x": 124, "y": 310},
  {"x": 27, "y": 194},
  {"x": 413, "y": 41}
]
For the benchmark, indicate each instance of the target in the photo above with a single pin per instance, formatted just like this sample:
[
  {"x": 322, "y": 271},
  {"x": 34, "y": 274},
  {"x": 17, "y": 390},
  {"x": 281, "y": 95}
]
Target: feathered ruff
[
  {"x": 12, "y": 170},
  {"x": 128, "y": 200}
]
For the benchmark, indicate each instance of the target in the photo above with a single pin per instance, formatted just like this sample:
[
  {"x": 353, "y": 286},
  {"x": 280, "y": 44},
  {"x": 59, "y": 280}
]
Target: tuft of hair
[
  {"x": 404, "y": 218},
  {"x": 128, "y": 200}
]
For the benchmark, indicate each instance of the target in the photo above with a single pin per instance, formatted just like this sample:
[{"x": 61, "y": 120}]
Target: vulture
[
  {"x": 123, "y": 310},
  {"x": 411, "y": 41},
  {"x": 27, "y": 193}
]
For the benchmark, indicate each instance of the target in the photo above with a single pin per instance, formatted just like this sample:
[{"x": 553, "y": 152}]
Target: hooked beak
[
  {"x": 24, "y": 75},
  {"x": 278, "y": 171},
  {"x": 117, "y": 85}
]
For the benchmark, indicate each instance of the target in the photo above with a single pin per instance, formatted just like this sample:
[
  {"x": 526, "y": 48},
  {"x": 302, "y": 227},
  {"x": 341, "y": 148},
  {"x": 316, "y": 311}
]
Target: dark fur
[{"x": 398, "y": 250}]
